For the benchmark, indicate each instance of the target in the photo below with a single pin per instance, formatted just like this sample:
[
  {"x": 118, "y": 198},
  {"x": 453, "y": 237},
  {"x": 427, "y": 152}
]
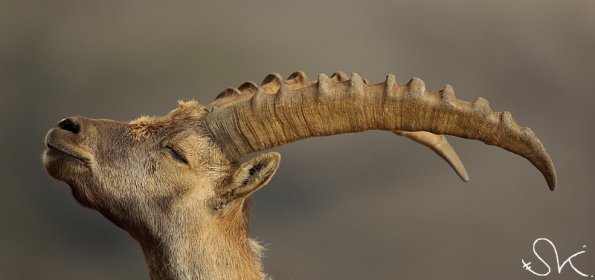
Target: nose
[{"x": 70, "y": 124}]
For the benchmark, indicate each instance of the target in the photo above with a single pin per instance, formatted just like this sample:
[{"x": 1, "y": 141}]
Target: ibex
[{"x": 176, "y": 182}]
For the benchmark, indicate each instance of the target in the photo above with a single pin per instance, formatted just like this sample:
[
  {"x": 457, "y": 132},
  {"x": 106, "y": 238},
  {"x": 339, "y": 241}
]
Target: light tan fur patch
[{"x": 145, "y": 126}]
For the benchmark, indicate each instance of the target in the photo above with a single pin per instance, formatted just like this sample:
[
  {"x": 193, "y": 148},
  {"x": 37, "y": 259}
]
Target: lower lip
[{"x": 51, "y": 150}]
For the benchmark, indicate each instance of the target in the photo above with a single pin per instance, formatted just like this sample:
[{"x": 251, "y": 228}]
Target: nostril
[{"x": 70, "y": 124}]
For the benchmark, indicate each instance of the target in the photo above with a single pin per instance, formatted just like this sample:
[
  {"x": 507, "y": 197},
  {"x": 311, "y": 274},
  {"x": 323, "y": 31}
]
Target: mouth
[{"x": 53, "y": 150}]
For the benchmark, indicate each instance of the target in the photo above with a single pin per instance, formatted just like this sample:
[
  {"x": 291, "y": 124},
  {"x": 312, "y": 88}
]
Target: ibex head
[
  {"x": 154, "y": 175},
  {"x": 139, "y": 174}
]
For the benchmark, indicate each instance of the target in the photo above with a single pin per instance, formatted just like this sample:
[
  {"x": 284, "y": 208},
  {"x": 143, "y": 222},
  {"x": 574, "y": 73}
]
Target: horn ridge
[{"x": 332, "y": 106}]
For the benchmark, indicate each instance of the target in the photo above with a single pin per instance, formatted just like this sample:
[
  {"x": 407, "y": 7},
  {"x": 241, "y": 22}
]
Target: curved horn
[
  {"x": 440, "y": 145},
  {"x": 437, "y": 143},
  {"x": 252, "y": 118}
]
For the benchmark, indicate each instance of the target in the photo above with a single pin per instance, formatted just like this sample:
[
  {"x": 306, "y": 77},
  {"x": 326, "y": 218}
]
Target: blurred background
[{"x": 357, "y": 206}]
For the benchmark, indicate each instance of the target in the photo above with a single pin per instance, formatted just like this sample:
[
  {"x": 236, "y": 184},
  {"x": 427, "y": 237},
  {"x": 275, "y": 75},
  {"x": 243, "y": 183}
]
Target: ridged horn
[{"x": 256, "y": 120}]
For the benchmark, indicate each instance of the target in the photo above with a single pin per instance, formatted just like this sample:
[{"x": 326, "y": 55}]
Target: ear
[{"x": 250, "y": 176}]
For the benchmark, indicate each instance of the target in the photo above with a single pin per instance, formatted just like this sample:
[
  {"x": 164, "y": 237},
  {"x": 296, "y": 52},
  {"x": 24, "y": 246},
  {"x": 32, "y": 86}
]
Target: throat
[
  {"x": 198, "y": 260},
  {"x": 223, "y": 252}
]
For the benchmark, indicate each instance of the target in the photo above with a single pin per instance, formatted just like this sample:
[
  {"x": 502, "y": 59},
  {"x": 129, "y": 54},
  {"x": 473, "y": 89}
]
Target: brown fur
[{"x": 127, "y": 172}]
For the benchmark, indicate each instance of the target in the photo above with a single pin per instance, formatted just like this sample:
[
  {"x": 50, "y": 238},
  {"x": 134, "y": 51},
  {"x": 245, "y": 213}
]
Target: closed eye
[{"x": 176, "y": 153}]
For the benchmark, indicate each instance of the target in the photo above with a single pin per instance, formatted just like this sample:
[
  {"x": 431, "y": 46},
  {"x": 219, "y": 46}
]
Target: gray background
[{"x": 358, "y": 206}]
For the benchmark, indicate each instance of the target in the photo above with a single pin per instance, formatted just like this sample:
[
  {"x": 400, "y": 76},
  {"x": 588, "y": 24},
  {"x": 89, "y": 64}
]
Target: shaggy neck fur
[{"x": 223, "y": 251}]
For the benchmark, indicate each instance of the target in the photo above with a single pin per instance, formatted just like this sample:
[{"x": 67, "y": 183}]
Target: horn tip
[
  {"x": 463, "y": 175},
  {"x": 542, "y": 159},
  {"x": 551, "y": 178}
]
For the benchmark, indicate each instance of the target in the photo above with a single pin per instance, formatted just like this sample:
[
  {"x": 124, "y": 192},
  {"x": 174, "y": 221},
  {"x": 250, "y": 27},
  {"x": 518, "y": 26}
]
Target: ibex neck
[{"x": 191, "y": 253}]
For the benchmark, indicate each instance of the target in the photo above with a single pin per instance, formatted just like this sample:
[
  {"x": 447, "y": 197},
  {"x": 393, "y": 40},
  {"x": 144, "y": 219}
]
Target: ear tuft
[
  {"x": 254, "y": 169},
  {"x": 251, "y": 175}
]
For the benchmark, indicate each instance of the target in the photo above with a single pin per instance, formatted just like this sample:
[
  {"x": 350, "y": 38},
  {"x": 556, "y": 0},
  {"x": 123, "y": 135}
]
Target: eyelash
[{"x": 177, "y": 154}]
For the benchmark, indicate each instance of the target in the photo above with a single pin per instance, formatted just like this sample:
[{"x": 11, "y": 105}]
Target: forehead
[{"x": 185, "y": 117}]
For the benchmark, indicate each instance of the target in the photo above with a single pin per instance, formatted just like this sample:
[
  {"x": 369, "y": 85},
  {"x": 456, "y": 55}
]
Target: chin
[
  {"x": 58, "y": 164},
  {"x": 66, "y": 168}
]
